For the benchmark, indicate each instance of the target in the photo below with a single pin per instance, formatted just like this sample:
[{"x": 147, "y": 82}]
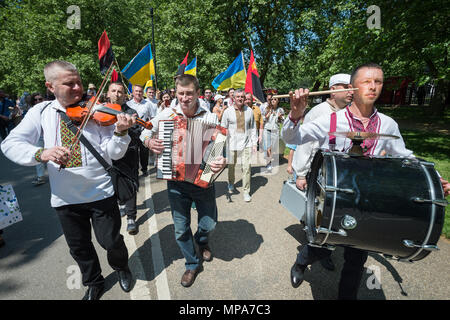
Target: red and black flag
[
  {"x": 182, "y": 66},
  {"x": 105, "y": 53},
  {"x": 252, "y": 83},
  {"x": 114, "y": 76}
]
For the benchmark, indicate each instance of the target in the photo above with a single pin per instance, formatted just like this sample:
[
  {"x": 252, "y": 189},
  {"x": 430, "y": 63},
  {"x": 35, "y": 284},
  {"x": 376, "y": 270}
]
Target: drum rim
[
  {"x": 432, "y": 216},
  {"x": 333, "y": 207}
]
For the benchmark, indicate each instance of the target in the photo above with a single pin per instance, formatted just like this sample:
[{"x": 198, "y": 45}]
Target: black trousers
[
  {"x": 143, "y": 156},
  {"x": 131, "y": 207},
  {"x": 352, "y": 271},
  {"x": 76, "y": 224}
]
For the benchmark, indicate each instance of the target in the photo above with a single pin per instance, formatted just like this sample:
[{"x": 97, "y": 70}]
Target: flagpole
[
  {"x": 243, "y": 63},
  {"x": 122, "y": 77},
  {"x": 154, "y": 50}
]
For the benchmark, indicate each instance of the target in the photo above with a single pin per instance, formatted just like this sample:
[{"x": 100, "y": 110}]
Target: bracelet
[
  {"x": 295, "y": 121},
  {"x": 37, "y": 155},
  {"x": 121, "y": 134}
]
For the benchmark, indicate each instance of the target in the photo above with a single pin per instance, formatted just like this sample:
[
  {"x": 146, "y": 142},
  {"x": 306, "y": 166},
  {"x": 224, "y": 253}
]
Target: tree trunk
[{"x": 439, "y": 98}]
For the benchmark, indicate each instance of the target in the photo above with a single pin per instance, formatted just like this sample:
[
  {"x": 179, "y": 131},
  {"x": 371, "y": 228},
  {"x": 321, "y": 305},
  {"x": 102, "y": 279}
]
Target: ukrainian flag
[
  {"x": 149, "y": 83},
  {"x": 191, "y": 68},
  {"x": 233, "y": 77},
  {"x": 140, "y": 69}
]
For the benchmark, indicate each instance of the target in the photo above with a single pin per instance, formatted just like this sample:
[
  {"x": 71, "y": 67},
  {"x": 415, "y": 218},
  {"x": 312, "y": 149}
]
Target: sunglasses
[{"x": 39, "y": 99}]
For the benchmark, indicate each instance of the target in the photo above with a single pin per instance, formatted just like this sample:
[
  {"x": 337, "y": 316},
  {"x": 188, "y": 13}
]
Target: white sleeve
[
  {"x": 397, "y": 147},
  {"x": 20, "y": 146},
  {"x": 224, "y": 121},
  {"x": 298, "y": 134},
  {"x": 115, "y": 146},
  {"x": 303, "y": 157},
  {"x": 146, "y": 133}
]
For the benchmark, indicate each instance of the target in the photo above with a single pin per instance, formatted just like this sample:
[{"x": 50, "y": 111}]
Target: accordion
[{"x": 189, "y": 146}]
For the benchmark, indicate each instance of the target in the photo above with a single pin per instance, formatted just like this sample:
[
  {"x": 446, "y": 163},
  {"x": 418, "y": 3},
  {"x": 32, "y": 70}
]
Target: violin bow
[{"x": 90, "y": 106}]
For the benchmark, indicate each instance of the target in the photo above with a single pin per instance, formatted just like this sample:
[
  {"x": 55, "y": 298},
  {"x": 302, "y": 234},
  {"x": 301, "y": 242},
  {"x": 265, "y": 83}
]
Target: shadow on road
[
  {"x": 40, "y": 226},
  {"x": 324, "y": 283},
  {"x": 232, "y": 235}
]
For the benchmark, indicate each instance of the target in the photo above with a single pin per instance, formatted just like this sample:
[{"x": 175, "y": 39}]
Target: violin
[{"x": 104, "y": 114}]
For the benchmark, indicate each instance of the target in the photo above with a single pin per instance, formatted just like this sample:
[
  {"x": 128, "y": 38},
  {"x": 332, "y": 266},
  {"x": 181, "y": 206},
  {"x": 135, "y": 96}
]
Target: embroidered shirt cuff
[{"x": 37, "y": 155}]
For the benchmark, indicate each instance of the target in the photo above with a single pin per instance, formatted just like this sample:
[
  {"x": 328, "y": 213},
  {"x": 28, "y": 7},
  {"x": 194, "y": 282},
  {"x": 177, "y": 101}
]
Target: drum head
[{"x": 315, "y": 196}]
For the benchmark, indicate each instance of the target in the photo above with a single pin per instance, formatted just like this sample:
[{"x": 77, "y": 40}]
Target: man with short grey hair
[
  {"x": 82, "y": 194},
  {"x": 241, "y": 140}
]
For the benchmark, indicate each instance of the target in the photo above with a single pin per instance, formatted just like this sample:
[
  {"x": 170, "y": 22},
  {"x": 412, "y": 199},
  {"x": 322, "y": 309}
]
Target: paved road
[{"x": 254, "y": 246}]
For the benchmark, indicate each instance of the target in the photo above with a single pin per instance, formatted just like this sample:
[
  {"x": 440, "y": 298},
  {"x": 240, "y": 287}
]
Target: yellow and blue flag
[
  {"x": 149, "y": 83},
  {"x": 140, "y": 69},
  {"x": 233, "y": 77},
  {"x": 191, "y": 68}
]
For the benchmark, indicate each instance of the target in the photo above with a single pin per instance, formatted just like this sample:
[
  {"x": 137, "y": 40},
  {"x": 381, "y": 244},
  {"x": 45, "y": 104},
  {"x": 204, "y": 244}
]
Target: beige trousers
[{"x": 245, "y": 157}]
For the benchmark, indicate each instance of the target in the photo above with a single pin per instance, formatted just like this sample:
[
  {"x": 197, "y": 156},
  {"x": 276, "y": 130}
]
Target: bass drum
[{"x": 393, "y": 206}]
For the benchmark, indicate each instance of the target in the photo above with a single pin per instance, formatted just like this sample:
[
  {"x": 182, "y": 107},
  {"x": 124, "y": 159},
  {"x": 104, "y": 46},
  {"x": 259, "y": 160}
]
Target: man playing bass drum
[{"x": 362, "y": 116}]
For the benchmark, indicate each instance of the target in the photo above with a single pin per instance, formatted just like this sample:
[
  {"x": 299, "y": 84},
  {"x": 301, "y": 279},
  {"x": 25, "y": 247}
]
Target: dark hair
[
  {"x": 34, "y": 95},
  {"x": 371, "y": 65},
  {"x": 187, "y": 79}
]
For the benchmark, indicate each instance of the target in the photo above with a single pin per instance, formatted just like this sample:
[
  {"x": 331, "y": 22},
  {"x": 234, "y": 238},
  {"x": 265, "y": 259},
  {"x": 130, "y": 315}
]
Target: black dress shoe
[
  {"x": 328, "y": 264},
  {"x": 125, "y": 279},
  {"x": 297, "y": 275},
  {"x": 94, "y": 292}
]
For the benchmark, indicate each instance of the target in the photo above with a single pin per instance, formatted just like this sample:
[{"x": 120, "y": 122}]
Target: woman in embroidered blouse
[{"x": 272, "y": 117}]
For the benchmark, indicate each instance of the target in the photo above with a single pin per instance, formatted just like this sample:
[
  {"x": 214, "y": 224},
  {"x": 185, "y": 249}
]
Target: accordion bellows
[{"x": 190, "y": 145}]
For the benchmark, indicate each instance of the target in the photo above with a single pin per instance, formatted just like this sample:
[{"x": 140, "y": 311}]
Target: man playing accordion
[{"x": 182, "y": 193}]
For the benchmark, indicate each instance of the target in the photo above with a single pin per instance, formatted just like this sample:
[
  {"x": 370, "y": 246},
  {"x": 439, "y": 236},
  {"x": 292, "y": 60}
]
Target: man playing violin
[
  {"x": 82, "y": 193},
  {"x": 362, "y": 116}
]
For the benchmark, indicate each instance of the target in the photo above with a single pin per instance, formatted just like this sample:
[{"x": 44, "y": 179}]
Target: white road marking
[
  {"x": 162, "y": 286},
  {"x": 141, "y": 290}
]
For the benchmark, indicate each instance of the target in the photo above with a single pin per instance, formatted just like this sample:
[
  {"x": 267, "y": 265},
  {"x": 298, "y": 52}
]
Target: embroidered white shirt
[
  {"x": 318, "y": 130},
  {"x": 87, "y": 183}
]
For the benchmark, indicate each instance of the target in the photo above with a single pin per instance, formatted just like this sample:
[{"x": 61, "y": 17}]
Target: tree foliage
[{"x": 295, "y": 42}]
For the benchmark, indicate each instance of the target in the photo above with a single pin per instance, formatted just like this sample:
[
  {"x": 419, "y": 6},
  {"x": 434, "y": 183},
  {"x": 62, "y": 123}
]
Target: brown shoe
[
  {"x": 205, "y": 252},
  {"x": 189, "y": 276}
]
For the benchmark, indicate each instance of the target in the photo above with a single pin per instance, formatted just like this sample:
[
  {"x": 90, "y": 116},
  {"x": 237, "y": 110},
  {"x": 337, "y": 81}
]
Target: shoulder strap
[
  {"x": 46, "y": 105},
  {"x": 333, "y": 126},
  {"x": 84, "y": 141}
]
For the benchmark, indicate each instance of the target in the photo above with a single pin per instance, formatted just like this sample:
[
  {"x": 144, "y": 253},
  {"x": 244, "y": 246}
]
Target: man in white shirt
[
  {"x": 182, "y": 193},
  {"x": 151, "y": 97},
  {"x": 229, "y": 100},
  {"x": 209, "y": 99},
  {"x": 305, "y": 152},
  {"x": 360, "y": 115},
  {"x": 241, "y": 140},
  {"x": 82, "y": 193},
  {"x": 145, "y": 111}
]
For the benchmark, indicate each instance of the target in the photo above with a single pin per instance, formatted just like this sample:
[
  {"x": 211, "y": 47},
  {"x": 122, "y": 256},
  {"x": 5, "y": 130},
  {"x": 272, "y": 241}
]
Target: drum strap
[{"x": 333, "y": 126}]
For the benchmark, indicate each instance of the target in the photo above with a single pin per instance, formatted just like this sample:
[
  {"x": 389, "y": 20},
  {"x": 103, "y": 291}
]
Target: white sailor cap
[{"x": 340, "y": 78}]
